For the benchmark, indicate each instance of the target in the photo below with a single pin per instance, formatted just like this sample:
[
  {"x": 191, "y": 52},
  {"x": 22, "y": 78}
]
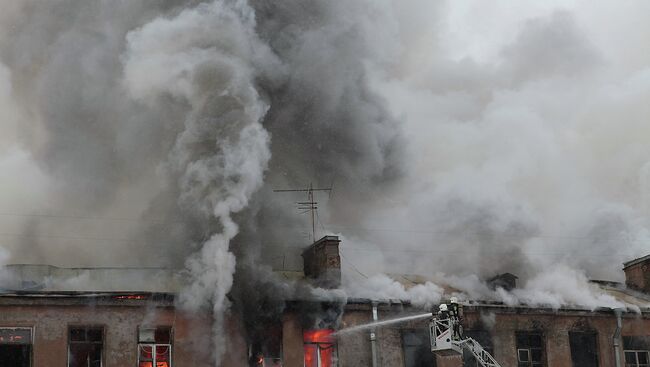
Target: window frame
[
  {"x": 31, "y": 339},
  {"x": 154, "y": 348},
  {"x": 31, "y": 333},
  {"x": 415, "y": 331},
  {"x": 322, "y": 346},
  {"x": 154, "y": 345},
  {"x": 585, "y": 332},
  {"x": 86, "y": 327},
  {"x": 636, "y": 357},
  {"x": 529, "y": 349},
  {"x": 519, "y": 352}
]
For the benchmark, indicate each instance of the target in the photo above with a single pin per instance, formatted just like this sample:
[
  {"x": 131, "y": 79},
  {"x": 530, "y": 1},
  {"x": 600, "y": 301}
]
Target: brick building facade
[
  {"x": 141, "y": 326},
  {"x": 517, "y": 336}
]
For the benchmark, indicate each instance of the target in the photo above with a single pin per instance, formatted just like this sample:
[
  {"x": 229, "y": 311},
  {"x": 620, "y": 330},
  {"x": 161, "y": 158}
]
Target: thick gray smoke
[
  {"x": 527, "y": 144},
  {"x": 148, "y": 125},
  {"x": 209, "y": 57},
  {"x": 462, "y": 140}
]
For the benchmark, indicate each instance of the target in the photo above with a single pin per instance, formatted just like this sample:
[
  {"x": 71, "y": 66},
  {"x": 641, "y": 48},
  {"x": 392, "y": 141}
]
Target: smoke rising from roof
[
  {"x": 522, "y": 155},
  {"x": 462, "y": 139}
]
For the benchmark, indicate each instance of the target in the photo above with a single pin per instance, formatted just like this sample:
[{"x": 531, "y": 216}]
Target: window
[
  {"x": 15, "y": 346},
  {"x": 483, "y": 338},
  {"x": 530, "y": 351},
  {"x": 155, "y": 347},
  {"x": 320, "y": 348},
  {"x": 636, "y": 351},
  {"x": 85, "y": 346},
  {"x": 266, "y": 345},
  {"x": 634, "y": 358},
  {"x": 417, "y": 348},
  {"x": 584, "y": 348}
]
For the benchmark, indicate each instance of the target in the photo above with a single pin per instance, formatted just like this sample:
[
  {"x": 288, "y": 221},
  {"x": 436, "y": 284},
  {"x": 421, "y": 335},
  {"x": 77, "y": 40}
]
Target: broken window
[
  {"x": 482, "y": 337},
  {"x": 636, "y": 351},
  {"x": 155, "y": 347},
  {"x": 15, "y": 347},
  {"x": 320, "y": 348},
  {"x": 85, "y": 346},
  {"x": 530, "y": 351},
  {"x": 266, "y": 349},
  {"x": 416, "y": 344},
  {"x": 584, "y": 348}
]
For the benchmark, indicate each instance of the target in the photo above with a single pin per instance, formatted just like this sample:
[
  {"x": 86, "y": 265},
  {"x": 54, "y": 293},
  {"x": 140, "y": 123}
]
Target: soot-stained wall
[
  {"x": 555, "y": 327},
  {"x": 499, "y": 324},
  {"x": 50, "y": 321}
]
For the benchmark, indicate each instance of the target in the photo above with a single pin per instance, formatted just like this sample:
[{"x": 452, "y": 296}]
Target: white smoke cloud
[
  {"x": 382, "y": 288},
  {"x": 527, "y": 151},
  {"x": 562, "y": 286},
  {"x": 558, "y": 287}
]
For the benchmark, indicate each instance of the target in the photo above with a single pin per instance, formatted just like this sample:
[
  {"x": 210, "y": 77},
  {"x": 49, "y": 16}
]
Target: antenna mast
[{"x": 310, "y": 205}]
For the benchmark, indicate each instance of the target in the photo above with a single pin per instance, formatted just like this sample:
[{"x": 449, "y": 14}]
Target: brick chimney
[
  {"x": 323, "y": 263},
  {"x": 637, "y": 274}
]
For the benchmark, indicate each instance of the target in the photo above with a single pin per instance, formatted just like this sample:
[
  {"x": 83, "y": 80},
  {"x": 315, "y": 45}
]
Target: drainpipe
[
  {"x": 617, "y": 337},
  {"x": 373, "y": 336}
]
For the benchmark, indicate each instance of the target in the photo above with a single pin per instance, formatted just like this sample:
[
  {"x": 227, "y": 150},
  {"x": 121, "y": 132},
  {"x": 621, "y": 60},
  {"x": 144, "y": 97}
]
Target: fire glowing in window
[
  {"x": 154, "y": 348},
  {"x": 320, "y": 348},
  {"x": 160, "y": 359},
  {"x": 131, "y": 296}
]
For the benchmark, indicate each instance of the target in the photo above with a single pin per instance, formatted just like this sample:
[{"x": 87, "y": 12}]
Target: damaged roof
[{"x": 48, "y": 278}]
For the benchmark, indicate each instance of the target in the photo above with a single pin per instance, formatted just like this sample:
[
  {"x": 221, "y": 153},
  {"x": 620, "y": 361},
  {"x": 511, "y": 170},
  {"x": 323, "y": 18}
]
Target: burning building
[
  {"x": 130, "y": 317},
  {"x": 516, "y": 335},
  {"x": 102, "y": 318},
  {"x": 153, "y": 133}
]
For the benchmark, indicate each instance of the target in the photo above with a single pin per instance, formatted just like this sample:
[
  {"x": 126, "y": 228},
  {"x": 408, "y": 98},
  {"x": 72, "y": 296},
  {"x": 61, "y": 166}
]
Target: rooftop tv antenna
[{"x": 310, "y": 205}]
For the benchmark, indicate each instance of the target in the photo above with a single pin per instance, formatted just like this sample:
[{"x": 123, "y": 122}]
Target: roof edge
[{"x": 635, "y": 261}]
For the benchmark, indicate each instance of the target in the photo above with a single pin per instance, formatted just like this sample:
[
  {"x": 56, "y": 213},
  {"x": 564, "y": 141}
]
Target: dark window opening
[
  {"x": 155, "y": 347},
  {"x": 482, "y": 337},
  {"x": 85, "y": 346},
  {"x": 320, "y": 348},
  {"x": 15, "y": 355},
  {"x": 584, "y": 348},
  {"x": 634, "y": 358},
  {"x": 266, "y": 349},
  {"x": 416, "y": 344},
  {"x": 15, "y": 347},
  {"x": 530, "y": 350}
]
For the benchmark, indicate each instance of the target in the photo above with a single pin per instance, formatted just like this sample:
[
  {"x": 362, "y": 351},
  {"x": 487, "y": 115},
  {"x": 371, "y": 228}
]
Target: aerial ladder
[{"x": 446, "y": 333}]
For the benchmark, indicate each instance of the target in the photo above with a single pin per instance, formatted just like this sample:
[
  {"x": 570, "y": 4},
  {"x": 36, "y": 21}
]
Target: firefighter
[
  {"x": 443, "y": 312},
  {"x": 456, "y": 314}
]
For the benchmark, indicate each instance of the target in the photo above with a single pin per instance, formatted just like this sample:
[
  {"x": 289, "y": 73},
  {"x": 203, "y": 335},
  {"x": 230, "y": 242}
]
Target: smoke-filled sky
[
  {"x": 527, "y": 136},
  {"x": 460, "y": 137}
]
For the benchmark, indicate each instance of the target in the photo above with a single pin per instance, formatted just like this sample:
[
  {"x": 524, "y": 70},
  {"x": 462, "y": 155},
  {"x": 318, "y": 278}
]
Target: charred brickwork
[
  {"x": 322, "y": 262},
  {"x": 562, "y": 338}
]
